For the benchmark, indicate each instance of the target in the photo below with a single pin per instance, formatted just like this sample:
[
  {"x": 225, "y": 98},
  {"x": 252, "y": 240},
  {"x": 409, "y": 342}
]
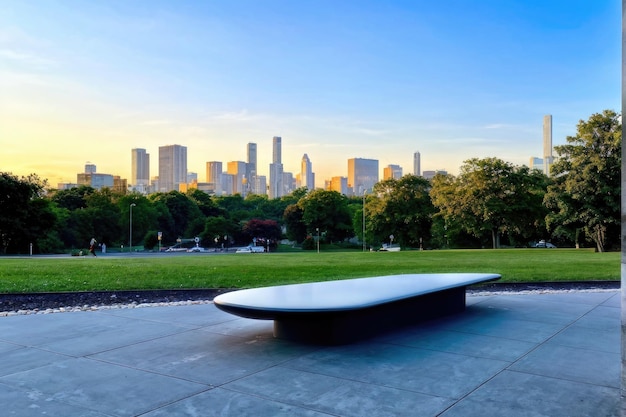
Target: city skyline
[{"x": 380, "y": 80}]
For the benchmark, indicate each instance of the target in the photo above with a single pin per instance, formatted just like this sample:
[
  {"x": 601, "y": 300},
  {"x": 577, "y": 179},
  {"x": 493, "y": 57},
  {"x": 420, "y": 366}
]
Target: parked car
[
  {"x": 197, "y": 249},
  {"x": 544, "y": 244},
  {"x": 251, "y": 249}
]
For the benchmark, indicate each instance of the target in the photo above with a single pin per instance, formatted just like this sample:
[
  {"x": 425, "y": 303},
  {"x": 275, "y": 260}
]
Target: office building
[
  {"x": 547, "y": 144},
  {"x": 172, "y": 167},
  {"x": 307, "y": 177},
  {"x": 251, "y": 171},
  {"x": 417, "y": 168},
  {"x": 140, "y": 170},
  {"x": 392, "y": 172},
  {"x": 362, "y": 175},
  {"x": 276, "y": 188}
]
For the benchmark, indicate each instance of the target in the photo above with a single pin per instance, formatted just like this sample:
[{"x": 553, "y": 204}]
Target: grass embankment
[{"x": 29, "y": 275}]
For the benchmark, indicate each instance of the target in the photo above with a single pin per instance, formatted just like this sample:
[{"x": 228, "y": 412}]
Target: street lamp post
[
  {"x": 130, "y": 227},
  {"x": 364, "y": 244},
  {"x": 318, "y": 239}
]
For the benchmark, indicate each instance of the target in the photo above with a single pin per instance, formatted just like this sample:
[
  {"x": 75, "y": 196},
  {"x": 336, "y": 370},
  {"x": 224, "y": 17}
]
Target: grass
[{"x": 46, "y": 274}]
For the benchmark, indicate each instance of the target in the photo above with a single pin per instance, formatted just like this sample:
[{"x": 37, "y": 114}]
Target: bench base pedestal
[{"x": 348, "y": 326}]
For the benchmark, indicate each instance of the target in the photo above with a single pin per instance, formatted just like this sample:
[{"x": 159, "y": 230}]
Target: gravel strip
[{"x": 24, "y": 304}]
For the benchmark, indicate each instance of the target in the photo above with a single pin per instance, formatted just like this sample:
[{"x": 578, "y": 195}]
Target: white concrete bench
[{"x": 347, "y": 310}]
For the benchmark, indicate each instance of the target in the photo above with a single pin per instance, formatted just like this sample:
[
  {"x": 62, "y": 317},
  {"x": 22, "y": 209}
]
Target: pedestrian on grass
[{"x": 92, "y": 246}]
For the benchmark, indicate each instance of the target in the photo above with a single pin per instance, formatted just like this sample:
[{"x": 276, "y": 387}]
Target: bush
[{"x": 309, "y": 243}]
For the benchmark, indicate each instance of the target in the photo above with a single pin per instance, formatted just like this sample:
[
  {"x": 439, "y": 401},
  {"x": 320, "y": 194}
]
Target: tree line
[{"x": 490, "y": 203}]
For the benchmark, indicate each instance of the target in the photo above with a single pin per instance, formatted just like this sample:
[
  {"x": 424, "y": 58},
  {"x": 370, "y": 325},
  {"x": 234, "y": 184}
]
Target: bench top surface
[{"x": 349, "y": 294}]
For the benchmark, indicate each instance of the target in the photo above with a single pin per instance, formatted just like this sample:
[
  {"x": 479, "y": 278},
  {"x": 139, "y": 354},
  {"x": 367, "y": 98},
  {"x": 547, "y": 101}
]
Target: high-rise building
[
  {"x": 238, "y": 170},
  {"x": 547, "y": 144},
  {"x": 140, "y": 169},
  {"x": 172, "y": 167},
  {"x": 417, "y": 168},
  {"x": 362, "y": 175},
  {"x": 276, "y": 188},
  {"x": 90, "y": 168},
  {"x": 277, "y": 150},
  {"x": 251, "y": 171},
  {"x": 307, "y": 177},
  {"x": 392, "y": 172}
]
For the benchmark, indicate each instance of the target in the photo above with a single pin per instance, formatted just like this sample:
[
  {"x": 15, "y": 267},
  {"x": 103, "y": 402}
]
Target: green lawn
[{"x": 130, "y": 272}]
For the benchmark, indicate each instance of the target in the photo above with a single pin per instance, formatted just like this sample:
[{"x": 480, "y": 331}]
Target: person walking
[{"x": 92, "y": 246}]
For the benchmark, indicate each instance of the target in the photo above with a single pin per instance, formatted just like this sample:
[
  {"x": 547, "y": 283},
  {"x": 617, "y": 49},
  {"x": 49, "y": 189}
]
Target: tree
[
  {"x": 184, "y": 214},
  {"x": 400, "y": 208},
  {"x": 25, "y": 216},
  {"x": 491, "y": 196},
  {"x": 585, "y": 192},
  {"x": 296, "y": 229},
  {"x": 327, "y": 211},
  {"x": 262, "y": 229}
]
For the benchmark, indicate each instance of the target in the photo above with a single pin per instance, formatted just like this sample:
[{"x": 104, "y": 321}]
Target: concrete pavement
[{"x": 525, "y": 355}]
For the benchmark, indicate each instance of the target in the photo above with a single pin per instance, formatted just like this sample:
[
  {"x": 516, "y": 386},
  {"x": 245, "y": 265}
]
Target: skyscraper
[
  {"x": 307, "y": 177},
  {"x": 172, "y": 167},
  {"x": 362, "y": 175},
  {"x": 251, "y": 171},
  {"x": 276, "y": 170},
  {"x": 140, "y": 169},
  {"x": 417, "y": 169},
  {"x": 277, "y": 150},
  {"x": 547, "y": 144}
]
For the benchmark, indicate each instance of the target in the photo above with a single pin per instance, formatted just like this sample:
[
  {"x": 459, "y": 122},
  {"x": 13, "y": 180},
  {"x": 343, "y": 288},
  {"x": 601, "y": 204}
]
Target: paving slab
[{"x": 553, "y": 354}]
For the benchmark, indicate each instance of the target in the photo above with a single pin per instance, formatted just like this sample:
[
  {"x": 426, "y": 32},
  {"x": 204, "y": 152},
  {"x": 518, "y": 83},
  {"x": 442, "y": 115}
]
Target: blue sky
[{"x": 90, "y": 80}]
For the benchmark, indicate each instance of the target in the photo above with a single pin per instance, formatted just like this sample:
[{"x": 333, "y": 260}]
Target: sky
[{"x": 87, "y": 81}]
